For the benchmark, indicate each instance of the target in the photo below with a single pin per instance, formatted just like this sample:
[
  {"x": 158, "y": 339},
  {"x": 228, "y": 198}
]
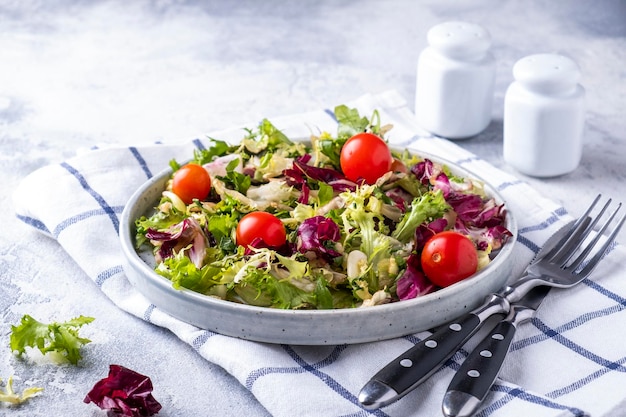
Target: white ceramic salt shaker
[
  {"x": 544, "y": 114},
  {"x": 455, "y": 81}
]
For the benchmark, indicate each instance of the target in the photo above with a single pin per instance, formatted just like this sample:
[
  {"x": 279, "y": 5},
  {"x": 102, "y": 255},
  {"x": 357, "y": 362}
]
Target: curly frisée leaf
[
  {"x": 430, "y": 206},
  {"x": 60, "y": 338}
]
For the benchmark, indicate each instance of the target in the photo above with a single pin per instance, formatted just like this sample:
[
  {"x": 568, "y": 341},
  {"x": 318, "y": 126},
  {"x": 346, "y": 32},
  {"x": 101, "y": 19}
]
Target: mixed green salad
[{"x": 338, "y": 222}]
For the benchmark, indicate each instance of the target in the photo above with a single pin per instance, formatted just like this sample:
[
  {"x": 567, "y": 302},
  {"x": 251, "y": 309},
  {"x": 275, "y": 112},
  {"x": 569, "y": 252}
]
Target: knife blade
[
  {"x": 474, "y": 379},
  {"x": 414, "y": 366}
]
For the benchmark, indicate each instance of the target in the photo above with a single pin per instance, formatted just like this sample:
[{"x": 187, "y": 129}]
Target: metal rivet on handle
[
  {"x": 407, "y": 363},
  {"x": 455, "y": 326}
]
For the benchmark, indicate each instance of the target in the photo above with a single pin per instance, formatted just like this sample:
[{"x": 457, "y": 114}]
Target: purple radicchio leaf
[
  {"x": 493, "y": 236},
  {"x": 425, "y": 232},
  {"x": 297, "y": 175},
  {"x": 429, "y": 173},
  {"x": 441, "y": 182},
  {"x": 424, "y": 171},
  {"x": 287, "y": 249},
  {"x": 481, "y": 221},
  {"x": 314, "y": 232},
  {"x": 468, "y": 207},
  {"x": 413, "y": 283},
  {"x": 124, "y": 392},
  {"x": 179, "y": 236},
  {"x": 400, "y": 198}
]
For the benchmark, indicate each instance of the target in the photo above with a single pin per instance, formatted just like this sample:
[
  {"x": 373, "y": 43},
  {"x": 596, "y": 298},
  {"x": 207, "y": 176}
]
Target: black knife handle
[
  {"x": 426, "y": 357},
  {"x": 472, "y": 381},
  {"x": 415, "y": 365}
]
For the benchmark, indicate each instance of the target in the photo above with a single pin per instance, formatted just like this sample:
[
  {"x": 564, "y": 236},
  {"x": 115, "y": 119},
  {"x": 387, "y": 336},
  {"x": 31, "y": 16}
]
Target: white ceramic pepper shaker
[
  {"x": 544, "y": 116},
  {"x": 455, "y": 81}
]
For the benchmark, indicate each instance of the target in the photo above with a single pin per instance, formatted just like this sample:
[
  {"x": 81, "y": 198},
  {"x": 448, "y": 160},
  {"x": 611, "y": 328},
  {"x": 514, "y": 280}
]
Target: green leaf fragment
[
  {"x": 61, "y": 338},
  {"x": 236, "y": 180},
  {"x": 428, "y": 207},
  {"x": 350, "y": 121}
]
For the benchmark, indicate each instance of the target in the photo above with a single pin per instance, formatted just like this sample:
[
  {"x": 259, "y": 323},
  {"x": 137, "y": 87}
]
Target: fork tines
[{"x": 580, "y": 231}]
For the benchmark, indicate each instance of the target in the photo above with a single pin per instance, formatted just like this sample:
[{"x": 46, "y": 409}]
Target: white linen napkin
[{"x": 569, "y": 361}]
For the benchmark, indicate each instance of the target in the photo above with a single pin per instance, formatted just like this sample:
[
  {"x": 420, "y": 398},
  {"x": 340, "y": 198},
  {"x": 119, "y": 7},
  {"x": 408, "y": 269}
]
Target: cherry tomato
[
  {"x": 191, "y": 181},
  {"x": 263, "y": 225},
  {"x": 449, "y": 257},
  {"x": 366, "y": 156}
]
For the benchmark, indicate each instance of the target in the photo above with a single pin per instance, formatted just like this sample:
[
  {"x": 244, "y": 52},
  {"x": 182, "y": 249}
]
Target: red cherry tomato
[
  {"x": 263, "y": 225},
  {"x": 449, "y": 257},
  {"x": 191, "y": 181},
  {"x": 366, "y": 156}
]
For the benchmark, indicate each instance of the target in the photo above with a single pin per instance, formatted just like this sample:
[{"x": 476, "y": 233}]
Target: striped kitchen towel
[{"x": 568, "y": 361}]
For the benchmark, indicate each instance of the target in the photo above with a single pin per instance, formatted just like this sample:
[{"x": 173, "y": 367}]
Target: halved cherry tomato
[
  {"x": 366, "y": 156},
  {"x": 263, "y": 225},
  {"x": 449, "y": 257},
  {"x": 191, "y": 181}
]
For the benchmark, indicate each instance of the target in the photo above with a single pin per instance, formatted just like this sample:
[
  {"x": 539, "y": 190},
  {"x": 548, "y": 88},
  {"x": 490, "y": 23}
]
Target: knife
[
  {"x": 411, "y": 368},
  {"x": 472, "y": 381}
]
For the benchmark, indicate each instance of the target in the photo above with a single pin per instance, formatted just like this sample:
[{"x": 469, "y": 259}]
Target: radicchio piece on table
[{"x": 124, "y": 392}]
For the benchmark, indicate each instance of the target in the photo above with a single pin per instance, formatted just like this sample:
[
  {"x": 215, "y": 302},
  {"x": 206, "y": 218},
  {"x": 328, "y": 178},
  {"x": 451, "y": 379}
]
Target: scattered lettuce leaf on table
[{"x": 60, "y": 338}]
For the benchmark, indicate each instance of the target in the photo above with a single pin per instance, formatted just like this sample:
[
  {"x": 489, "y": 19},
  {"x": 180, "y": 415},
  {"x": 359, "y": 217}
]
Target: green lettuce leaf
[
  {"x": 61, "y": 338},
  {"x": 350, "y": 122},
  {"x": 364, "y": 225},
  {"x": 217, "y": 149},
  {"x": 428, "y": 207},
  {"x": 236, "y": 180},
  {"x": 185, "y": 274}
]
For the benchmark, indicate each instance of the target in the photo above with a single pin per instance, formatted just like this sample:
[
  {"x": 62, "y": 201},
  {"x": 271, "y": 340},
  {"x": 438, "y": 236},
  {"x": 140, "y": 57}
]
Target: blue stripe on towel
[
  {"x": 103, "y": 276},
  {"x": 101, "y": 201},
  {"x": 314, "y": 369},
  {"x": 148, "y": 313},
  {"x": 327, "y": 379},
  {"x": 198, "y": 144},
  {"x": 141, "y": 160},
  {"x": 512, "y": 393},
  {"x": 37, "y": 224},
  {"x": 82, "y": 216},
  {"x": 201, "y": 339}
]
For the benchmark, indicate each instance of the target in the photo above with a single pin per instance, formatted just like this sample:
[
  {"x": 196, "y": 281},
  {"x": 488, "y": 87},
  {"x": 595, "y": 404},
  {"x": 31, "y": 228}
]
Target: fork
[
  {"x": 551, "y": 268},
  {"x": 472, "y": 381},
  {"x": 554, "y": 269}
]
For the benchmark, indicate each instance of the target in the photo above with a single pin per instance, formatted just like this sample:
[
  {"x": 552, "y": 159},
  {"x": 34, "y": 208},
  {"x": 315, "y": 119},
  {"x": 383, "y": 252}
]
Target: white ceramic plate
[{"x": 306, "y": 327}]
